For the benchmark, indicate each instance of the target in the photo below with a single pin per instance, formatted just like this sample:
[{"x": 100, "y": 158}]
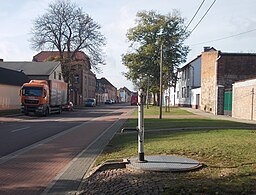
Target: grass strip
[{"x": 228, "y": 156}]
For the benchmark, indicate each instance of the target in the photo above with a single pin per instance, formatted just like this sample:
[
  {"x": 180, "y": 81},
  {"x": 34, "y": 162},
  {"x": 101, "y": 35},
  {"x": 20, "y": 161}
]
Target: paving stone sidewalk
[{"x": 125, "y": 181}]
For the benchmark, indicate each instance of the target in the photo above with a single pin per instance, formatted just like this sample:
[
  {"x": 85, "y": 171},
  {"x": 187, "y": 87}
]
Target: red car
[
  {"x": 68, "y": 107},
  {"x": 134, "y": 100}
]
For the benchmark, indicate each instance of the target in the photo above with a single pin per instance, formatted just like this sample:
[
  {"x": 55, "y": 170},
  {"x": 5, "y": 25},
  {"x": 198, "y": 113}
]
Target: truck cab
[
  {"x": 43, "y": 97},
  {"x": 35, "y": 97}
]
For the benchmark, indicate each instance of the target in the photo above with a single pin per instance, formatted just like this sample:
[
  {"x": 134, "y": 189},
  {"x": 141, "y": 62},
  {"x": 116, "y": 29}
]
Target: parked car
[
  {"x": 68, "y": 107},
  {"x": 108, "y": 102},
  {"x": 134, "y": 100},
  {"x": 90, "y": 102}
]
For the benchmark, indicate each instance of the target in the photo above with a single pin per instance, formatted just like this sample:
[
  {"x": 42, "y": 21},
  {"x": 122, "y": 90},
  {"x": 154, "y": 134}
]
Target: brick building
[
  {"x": 101, "y": 92},
  {"x": 243, "y": 99},
  {"x": 82, "y": 84},
  {"x": 124, "y": 95},
  {"x": 106, "y": 90},
  {"x": 218, "y": 72}
]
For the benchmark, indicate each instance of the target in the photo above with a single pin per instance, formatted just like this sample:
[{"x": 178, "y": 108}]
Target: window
[
  {"x": 59, "y": 76},
  {"x": 54, "y": 75},
  {"x": 184, "y": 92},
  {"x": 32, "y": 91},
  {"x": 76, "y": 79}
]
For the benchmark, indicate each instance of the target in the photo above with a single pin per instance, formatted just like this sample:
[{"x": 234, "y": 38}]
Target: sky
[{"x": 226, "y": 18}]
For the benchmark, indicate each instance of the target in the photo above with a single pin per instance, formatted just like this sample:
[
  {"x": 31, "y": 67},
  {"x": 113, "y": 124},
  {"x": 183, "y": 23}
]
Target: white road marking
[{"x": 13, "y": 131}]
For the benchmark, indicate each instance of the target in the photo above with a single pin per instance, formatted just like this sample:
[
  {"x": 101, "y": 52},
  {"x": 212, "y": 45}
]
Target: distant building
[
  {"x": 206, "y": 82},
  {"x": 82, "y": 85},
  {"x": 101, "y": 92},
  {"x": 189, "y": 78},
  {"x": 107, "y": 89},
  {"x": 220, "y": 70},
  {"x": 10, "y": 83},
  {"x": 243, "y": 99},
  {"x": 124, "y": 95}
]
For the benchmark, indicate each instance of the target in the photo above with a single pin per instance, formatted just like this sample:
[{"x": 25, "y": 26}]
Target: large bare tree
[{"x": 66, "y": 28}]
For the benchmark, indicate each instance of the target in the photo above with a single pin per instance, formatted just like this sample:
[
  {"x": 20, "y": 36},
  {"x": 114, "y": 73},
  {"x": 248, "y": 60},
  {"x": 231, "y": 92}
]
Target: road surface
[{"x": 34, "y": 150}]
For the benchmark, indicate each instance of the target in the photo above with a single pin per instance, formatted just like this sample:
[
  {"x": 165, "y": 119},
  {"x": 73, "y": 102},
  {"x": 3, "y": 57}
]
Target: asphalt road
[
  {"x": 21, "y": 131},
  {"x": 33, "y": 150}
]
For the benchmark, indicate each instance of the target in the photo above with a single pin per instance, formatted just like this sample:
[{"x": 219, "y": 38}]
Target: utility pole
[
  {"x": 252, "y": 103},
  {"x": 147, "y": 90},
  {"x": 161, "y": 82}
]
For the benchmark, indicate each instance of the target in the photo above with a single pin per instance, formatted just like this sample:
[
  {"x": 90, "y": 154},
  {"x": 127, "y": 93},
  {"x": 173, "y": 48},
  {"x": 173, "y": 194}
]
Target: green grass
[
  {"x": 150, "y": 123},
  {"x": 155, "y": 110},
  {"x": 228, "y": 156}
]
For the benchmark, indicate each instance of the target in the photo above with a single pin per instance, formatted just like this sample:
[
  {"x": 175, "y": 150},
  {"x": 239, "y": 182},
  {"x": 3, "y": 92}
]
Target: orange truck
[{"x": 43, "y": 97}]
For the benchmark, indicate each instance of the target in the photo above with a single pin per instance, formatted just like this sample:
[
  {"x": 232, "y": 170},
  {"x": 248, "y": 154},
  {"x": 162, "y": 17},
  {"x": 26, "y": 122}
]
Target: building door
[
  {"x": 197, "y": 101},
  {"x": 228, "y": 103}
]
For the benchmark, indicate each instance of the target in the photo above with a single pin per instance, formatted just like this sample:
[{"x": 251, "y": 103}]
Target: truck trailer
[{"x": 43, "y": 97}]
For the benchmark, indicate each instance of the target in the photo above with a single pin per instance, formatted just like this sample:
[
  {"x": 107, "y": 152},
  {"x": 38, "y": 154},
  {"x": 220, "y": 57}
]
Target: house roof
[
  {"x": 206, "y": 49},
  {"x": 125, "y": 89},
  {"x": 12, "y": 77},
  {"x": 45, "y": 56},
  {"x": 105, "y": 82},
  {"x": 32, "y": 68},
  {"x": 199, "y": 56},
  {"x": 236, "y": 54}
]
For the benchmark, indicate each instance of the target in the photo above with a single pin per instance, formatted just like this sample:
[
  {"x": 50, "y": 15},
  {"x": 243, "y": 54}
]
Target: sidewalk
[{"x": 221, "y": 117}]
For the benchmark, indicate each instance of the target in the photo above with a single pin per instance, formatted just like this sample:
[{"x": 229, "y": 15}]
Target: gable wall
[{"x": 9, "y": 97}]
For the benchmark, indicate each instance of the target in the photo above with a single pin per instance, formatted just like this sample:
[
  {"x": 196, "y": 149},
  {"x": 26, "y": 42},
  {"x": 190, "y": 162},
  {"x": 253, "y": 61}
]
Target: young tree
[
  {"x": 66, "y": 28},
  {"x": 152, "y": 31}
]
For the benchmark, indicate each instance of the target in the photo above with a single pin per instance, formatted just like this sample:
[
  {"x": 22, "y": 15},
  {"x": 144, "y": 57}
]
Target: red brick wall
[
  {"x": 235, "y": 67},
  {"x": 218, "y": 75},
  {"x": 208, "y": 80},
  {"x": 244, "y": 101}
]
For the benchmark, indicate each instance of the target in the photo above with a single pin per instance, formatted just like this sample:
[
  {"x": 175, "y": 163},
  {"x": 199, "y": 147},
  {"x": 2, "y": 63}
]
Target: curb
[
  {"x": 71, "y": 177},
  {"x": 190, "y": 129}
]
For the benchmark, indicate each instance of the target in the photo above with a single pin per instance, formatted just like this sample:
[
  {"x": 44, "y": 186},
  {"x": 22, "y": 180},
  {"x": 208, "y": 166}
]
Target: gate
[{"x": 228, "y": 103}]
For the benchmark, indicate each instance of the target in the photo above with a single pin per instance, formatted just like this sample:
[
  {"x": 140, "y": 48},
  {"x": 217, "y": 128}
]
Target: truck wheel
[
  {"x": 46, "y": 113},
  {"x": 60, "y": 110}
]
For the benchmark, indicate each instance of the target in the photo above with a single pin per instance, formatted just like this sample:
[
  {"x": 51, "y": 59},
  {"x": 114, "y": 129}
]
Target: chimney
[
  {"x": 207, "y": 48},
  {"x": 1, "y": 60}
]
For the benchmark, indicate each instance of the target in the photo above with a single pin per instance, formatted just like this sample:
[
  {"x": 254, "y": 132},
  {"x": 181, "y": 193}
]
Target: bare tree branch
[{"x": 66, "y": 28}]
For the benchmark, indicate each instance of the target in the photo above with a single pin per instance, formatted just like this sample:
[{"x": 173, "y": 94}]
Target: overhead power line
[
  {"x": 195, "y": 14},
  {"x": 203, "y": 17},
  {"x": 227, "y": 37}
]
